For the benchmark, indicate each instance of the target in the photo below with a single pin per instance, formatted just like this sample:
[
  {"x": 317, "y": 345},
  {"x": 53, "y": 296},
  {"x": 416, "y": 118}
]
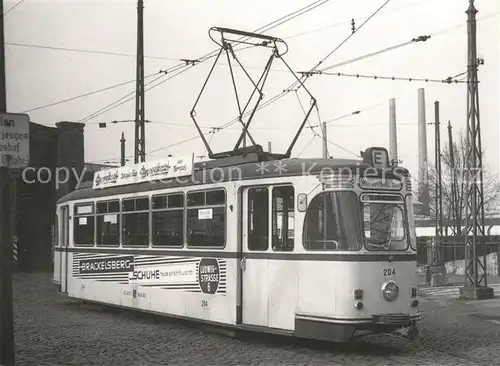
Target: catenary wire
[
  {"x": 202, "y": 59},
  {"x": 85, "y": 95},
  {"x": 13, "y": 7}
]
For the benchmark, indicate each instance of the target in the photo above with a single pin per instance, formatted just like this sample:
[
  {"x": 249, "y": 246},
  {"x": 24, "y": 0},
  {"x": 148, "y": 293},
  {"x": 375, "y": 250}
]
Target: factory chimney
[
  {"x": 423, "y": 181},
  {"x": 393, "y": 136}
]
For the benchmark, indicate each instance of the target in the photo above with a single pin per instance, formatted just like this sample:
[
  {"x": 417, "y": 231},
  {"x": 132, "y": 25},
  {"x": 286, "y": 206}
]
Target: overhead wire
[
  {"x": 72, "y": 49},
  {"x": 376, "y": 53},
  {"x": 307, "y": 145},
  {"x": 349, "y": 21},
  {"x": 131, "y": 95},
  {"x": 448, "y": 80},
  {"x": 350, "y": 36},
  {"x": 182, "y": 64},
  {"x": 13, "y": 7},
  {"x": 85, "y": 95},
  {"x": 272, "y": 100},
  {"x": 304, "y": 78},
  {"x": 285, "y": 91},
  {"x": 212, "y": 54},
  {"x": 116, "y": 103}
]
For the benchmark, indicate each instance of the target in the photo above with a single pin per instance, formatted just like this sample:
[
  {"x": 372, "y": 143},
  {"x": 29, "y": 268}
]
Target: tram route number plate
[{"x": 389, "y": 271}]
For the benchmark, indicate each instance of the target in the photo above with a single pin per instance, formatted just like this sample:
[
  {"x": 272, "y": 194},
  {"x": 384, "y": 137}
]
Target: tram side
[{"x": 97, "y": 261}]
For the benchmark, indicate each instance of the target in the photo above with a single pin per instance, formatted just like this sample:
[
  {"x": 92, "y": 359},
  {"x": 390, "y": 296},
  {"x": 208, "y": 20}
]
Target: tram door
[
  {"x": 64, "y": 240},
  {"x": 254, "y": 265}
]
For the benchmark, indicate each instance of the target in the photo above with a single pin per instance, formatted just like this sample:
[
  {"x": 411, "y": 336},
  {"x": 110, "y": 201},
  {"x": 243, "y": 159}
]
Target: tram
[{"x": 311, "y": 248}]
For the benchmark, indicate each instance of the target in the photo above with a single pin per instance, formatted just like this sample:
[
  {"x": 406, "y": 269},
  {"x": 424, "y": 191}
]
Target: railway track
[{"x": 422, "y": 345}]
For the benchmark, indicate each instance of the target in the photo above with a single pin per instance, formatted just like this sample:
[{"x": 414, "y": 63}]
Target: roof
[
  {"x": 92, "y": 167},
  {"x": 224, "y": 171}
]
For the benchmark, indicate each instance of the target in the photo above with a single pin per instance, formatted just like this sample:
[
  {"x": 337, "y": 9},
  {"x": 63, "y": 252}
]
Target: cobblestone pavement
[{"x": 52, "y": 329}]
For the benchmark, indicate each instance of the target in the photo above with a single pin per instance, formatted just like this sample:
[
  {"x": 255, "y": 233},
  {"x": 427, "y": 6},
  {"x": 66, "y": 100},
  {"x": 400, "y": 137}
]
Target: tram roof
[{"x": 224, "y": 170}]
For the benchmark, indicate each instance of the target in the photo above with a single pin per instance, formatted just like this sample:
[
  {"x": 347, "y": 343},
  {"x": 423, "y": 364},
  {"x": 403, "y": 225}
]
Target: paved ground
[{"x": 54, "y": 330}]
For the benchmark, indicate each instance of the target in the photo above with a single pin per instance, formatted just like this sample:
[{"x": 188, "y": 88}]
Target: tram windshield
[
  {"x": 333, "y": 222},
  {"x": 384, "y": 226}
]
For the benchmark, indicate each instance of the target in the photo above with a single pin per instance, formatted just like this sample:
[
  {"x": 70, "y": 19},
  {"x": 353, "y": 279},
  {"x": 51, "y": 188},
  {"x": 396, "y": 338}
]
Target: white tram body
[{"x": 313, "y": 248}]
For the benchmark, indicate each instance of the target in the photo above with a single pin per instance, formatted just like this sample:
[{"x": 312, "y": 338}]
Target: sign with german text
[
  {"x": 166, "y": 169},
  {"x": 14, "y": 140}
]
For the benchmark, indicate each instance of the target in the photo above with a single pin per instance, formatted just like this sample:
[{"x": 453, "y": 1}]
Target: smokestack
[
  {"x": 423, "y": 188},
  {"x": 393, "y": 134}
]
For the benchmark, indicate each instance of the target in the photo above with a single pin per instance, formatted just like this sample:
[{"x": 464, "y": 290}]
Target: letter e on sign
[
  {"x": 14, "y": 140},
  {"x": 379, "y": 158}
]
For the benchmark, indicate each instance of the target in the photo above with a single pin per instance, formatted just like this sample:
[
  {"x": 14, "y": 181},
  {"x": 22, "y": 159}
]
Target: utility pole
[
  {"x": 455, "y": 205},
  {"x": 7, "y": 349},
  {"x": 122, "y": 150},
  {"x": 476, "y": 285},
  {"x": 140, "y": 138},
  {"x": 325, "y": 137},
  {"x": 438, "y": 257}
]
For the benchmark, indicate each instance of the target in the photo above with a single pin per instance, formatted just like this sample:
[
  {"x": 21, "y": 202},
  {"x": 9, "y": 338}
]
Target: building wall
[{"x": 36, "y": 197}]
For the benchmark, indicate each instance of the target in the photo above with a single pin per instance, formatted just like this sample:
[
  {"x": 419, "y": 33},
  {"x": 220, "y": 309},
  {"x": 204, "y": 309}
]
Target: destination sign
[{"x": 380, "y": 183}]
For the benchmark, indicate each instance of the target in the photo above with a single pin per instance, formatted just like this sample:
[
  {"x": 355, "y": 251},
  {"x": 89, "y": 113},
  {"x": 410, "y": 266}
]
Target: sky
[{"x": 174, "y": 30}]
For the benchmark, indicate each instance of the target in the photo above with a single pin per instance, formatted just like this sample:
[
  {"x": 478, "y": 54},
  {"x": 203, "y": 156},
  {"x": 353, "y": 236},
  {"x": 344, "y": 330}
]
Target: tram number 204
[
  {"x": 204, "y": 303},
  {"x": 389, "y": 271}
]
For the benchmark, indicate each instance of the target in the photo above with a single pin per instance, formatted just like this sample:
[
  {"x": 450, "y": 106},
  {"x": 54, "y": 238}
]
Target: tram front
[{"x": 367, "y": 220}]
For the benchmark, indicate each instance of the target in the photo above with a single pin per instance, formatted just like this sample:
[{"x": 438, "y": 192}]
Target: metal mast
[
  {"x": 122, "y": 150},
  {"x": 475, "y": 286},
  {"x": 455, "y": 205},
  {"x": 140, "y": 138},
  {"x": 437, "y": 259}
]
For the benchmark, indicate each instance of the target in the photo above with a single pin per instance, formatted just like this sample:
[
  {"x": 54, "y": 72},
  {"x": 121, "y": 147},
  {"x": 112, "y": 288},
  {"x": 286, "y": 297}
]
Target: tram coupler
[{"x": 411, "y": 332}]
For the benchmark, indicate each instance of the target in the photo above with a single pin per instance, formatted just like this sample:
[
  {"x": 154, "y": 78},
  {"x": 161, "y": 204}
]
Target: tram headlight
[
  {"x": 358, "y": 294},
  {"x": 390, "y": 291}
]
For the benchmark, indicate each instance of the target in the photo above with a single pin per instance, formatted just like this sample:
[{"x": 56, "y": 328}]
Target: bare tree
[{"x": 491, "y": 183}]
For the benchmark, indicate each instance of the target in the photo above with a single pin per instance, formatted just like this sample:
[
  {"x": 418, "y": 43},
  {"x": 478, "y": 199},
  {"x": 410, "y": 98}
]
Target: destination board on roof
[
  {"x": 377, "y": 157},
  {"x": 162, "y": 170}
]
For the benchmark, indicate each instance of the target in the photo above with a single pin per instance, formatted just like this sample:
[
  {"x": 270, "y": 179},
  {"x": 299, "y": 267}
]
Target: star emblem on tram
[
  {"x": 262, "y": 167},
  {"x": 280, "y": 167}
]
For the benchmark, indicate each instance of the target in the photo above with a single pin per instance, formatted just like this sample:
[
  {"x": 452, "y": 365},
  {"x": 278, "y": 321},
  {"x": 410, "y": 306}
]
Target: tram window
[
  {"x": 283, "y": 218},
  {"x": 196, "y": 199},
  {"x": 159, "y": 202},
  {"x": 168, "y": 220},
  {"x": 101, "y": 207},
  {"x": 215, "y": 197},
  {"x": 384, "y": 226},
  {"x": 176, "y": 201},
  {"x": 142, "y": 204},
  {"x": 84, "y": 225},
  {"x": 206, "y": 223},
  {"x": 108, "y": 223},
  {"x": 114, "y": 206},
  {"x": 135, "y": 222},
  {"x": 258, "y": 219},
  {"x": 128, "y": 205},
  {"x": 333, "y": 222}
]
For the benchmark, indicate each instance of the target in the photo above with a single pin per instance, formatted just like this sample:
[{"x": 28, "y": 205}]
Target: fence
[{"x": 452, "y": 252}]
